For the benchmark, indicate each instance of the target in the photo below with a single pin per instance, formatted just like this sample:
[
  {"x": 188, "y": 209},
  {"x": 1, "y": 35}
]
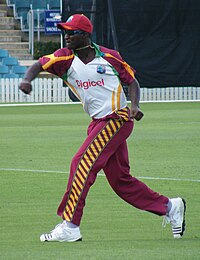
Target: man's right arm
[{"x": 31, "y": 74}]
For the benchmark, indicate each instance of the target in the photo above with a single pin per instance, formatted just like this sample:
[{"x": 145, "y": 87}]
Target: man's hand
[
  {"x": 30, "y": 75},
  {"x": 136, "y": 113},
  {"x": 25, "y": 86}
]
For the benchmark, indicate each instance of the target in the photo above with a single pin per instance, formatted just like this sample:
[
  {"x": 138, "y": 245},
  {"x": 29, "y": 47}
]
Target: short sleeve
[
  {"x": 58, "y": 62},
  {"x": 125, "y": 72}
]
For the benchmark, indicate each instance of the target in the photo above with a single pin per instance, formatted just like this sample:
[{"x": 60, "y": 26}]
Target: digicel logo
[{"x": 88, "y": 84}]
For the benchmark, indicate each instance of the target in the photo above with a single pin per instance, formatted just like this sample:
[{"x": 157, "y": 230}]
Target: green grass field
[{"x": 37, "y": 144}]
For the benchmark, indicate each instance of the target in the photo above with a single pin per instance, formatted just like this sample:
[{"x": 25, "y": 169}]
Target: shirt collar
[{"x": 98, "y": 52}]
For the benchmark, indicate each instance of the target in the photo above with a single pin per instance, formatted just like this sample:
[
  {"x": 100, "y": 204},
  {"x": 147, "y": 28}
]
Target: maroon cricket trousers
[{"x": 105, "y": 148}]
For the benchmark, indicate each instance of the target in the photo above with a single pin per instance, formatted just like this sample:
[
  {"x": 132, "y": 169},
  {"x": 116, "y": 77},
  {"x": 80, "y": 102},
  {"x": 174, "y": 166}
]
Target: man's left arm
[{"x": 134, "y": 95}]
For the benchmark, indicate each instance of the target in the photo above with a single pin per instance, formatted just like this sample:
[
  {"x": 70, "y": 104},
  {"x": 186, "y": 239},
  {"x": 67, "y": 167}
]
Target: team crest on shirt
[{"x": 101, "y": 69}]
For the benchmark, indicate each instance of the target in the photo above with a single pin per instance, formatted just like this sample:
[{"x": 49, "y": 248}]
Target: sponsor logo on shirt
[
  {"x": 101, "y": 69},
  {"x": 88, "y": 84}
]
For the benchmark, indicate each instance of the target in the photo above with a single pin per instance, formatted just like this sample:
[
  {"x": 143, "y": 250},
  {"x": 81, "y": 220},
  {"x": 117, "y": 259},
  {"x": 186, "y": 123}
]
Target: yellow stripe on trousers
[{"x": 86, "y": 163}]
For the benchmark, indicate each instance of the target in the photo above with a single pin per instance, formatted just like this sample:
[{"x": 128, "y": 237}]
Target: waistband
[{"x": 123, "y": 114}]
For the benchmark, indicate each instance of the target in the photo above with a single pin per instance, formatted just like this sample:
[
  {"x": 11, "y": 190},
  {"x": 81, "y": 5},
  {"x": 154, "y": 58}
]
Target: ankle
[
  {"x": 70, "y": 224},
  {"x": 169, "y": 206}
]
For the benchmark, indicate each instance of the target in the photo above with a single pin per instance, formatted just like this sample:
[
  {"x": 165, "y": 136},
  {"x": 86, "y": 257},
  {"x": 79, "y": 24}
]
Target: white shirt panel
[{"x": 97, "y": 86}]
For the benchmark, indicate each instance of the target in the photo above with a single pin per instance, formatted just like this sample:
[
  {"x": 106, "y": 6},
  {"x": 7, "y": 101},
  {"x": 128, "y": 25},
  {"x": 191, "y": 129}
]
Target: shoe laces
[
  {"x": 166, "y": 220},
  {"x": 57, "y": 227},
  {"x": 170, "y": 219}
]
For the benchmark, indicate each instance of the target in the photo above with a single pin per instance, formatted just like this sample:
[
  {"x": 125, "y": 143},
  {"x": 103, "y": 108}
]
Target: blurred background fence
[{"x": 52, "y": 90}]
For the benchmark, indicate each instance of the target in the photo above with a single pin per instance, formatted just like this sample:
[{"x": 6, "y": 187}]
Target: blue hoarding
[{"x": 52, "y": 17}]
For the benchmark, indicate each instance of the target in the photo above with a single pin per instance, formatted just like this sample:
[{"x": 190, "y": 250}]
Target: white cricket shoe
[
  {"x": 62, "y": 233},
  {"x": 176, "y": 217}
]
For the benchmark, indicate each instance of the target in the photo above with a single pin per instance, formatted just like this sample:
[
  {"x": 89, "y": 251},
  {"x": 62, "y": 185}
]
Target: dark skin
[
  {"x": 74, "y": 42},
  {"x": 86, "y": 54}
]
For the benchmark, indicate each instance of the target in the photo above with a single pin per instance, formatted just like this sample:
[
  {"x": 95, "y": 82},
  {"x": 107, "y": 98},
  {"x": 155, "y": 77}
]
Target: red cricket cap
[{"x": 77, "y": 22}]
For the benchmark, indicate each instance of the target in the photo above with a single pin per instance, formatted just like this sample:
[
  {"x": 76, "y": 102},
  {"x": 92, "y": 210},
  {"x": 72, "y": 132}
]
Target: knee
[{"x": 116, "y": 186}]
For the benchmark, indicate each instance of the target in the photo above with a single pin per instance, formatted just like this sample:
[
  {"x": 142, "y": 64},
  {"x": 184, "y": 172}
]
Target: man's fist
[
  {"x": 25, "y": 86},
  {"x": 139, "y": 115},
  {"x": 135, "y": 112}
]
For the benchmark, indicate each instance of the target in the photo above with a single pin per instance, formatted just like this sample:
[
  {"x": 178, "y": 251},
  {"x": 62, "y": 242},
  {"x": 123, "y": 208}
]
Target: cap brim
[{"x": 63, "y": 26}]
